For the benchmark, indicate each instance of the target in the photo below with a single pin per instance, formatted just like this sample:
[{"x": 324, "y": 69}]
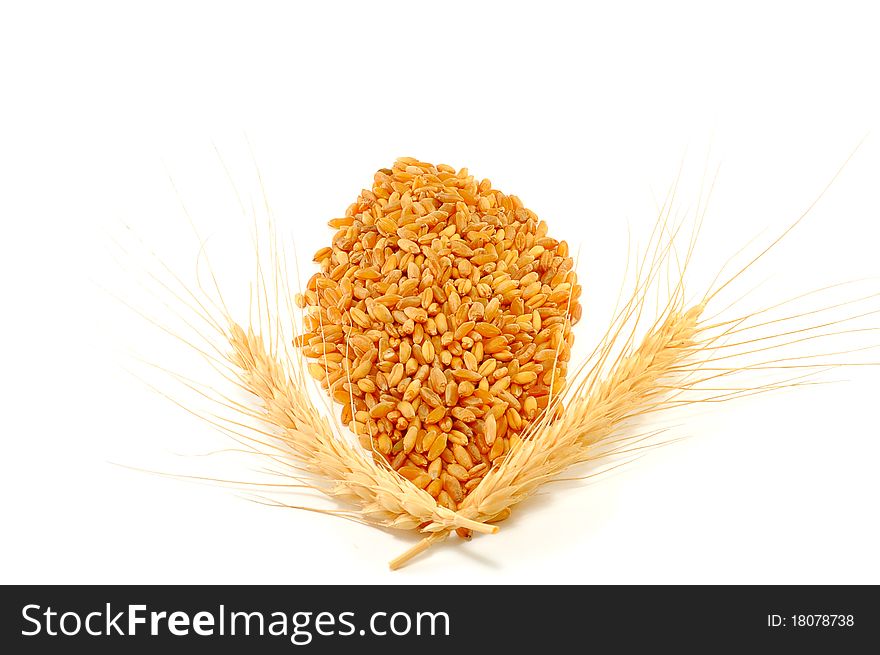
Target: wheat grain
[{"x": 440, "y": 282}]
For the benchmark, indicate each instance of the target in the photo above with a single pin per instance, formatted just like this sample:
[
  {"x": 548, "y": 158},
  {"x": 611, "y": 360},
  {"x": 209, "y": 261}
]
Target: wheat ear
[
  {"x": 592, "y": 417},
  {"x": 339, "y": 469},
  {"x": 286, "y": 428}
]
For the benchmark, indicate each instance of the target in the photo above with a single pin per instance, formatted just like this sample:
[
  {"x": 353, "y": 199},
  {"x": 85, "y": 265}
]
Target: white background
[{"x": 584, "y": 110}]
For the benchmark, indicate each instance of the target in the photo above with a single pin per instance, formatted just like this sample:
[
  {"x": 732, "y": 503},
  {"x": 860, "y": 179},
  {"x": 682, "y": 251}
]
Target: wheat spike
[
  {"x": 589, "y": 419},
  {"x": 340, "y": 470}
]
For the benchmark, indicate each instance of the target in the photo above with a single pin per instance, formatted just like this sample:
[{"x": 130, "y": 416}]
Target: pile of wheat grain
[{"x": 441, "y": 322}]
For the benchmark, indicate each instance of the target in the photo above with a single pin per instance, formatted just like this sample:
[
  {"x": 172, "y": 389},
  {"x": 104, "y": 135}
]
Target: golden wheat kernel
[
  {"x": 525, "y": 355},
  {"x": 418, "y": 355},
  {"x": 340, "y": 394},
  {"x": 457, "y": 471},
  {"x": 412, "y": 390},
  {"x": 361, "y": 370},
  {"x": 380, "y": 410},
  {"x": 435, "y": 468},
  {"x": 462, "y": 456},
  {"x": 408, "y": 301},
  {"x": 383, "y": 444},
  {"x": 451, "y": 395},
  {"x": 456, "y": 437},
  {"x": 438, "y": 445},
  {"x": 490, "y": 429},
  {"x": 416, "y": 314},
  {"x": 485, "y": 329},
  {"x": 497, "y": 449},
  {"x": 514, "y": 419},
  {"x": 525, "y": 377},
  {"x": 494, "y": 345},
  {"x": 426, "y": 438},
  {"x": 460, "y": 248},
  {"x": 430, "y": 397},
  {"x": 435, "y": 415},
  {"x": 406, "y": 410},
  {"x": 359, "y": 317},
  {"x": 427, "y": 297},
  {"x": 428, "y": 351},
  {"x": 476, "y": 401},
  {"x": 382, "y": 313},
  {"x": 317, "y": 371},
  {"x": 444, "y": 500},
  {"x": 465, "y": 375},
  {"x": 453, "y": 487},
  {"x": 497, "y": 408},
  {"x": 367, "y": 444},
  {"x": 395, "y": 375},
  {"x": 500, "y": 385},
  {"x": 360, "y": 343},
  {"x": 470, "y": 485},
  {"x": 366, "y": 385},
  {"x": 437, "y": 380},
  {"x": 463, "y": 329},
  {"x": 487, "y": 367},
  {"x": 435, "y": 486},
  {"x": 530, "y": 291},
  {"x": 465, "y": 389},
  {"x": 422, "y": 481}
]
